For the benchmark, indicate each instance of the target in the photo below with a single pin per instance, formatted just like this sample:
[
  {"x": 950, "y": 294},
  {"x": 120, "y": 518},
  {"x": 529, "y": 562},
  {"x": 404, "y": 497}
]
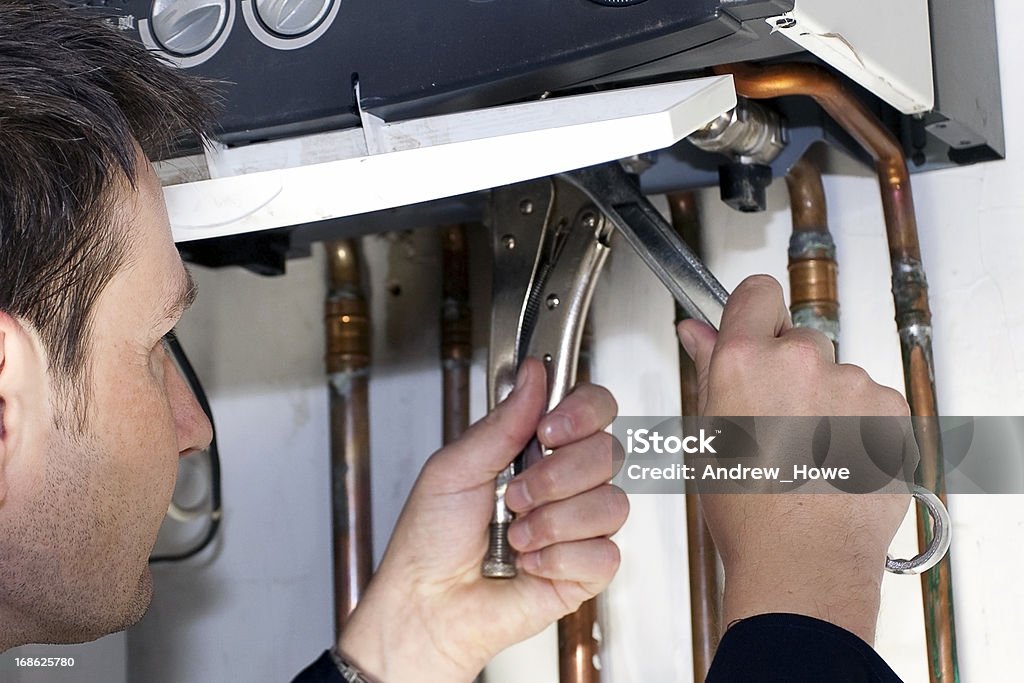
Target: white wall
[{"x": 259, "y": 608}]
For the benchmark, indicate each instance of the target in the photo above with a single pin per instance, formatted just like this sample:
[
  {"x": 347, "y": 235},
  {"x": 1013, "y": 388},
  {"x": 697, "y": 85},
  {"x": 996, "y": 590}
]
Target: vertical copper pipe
[
  {"x": 703, "y": 559},
  {"x": 913, "y": 316},
  {"x": 813, "y": 273},
  {"x": 579, "y": 646},
  {"x": 456, "y": 331},
  {"x": 348, "y": 361}
]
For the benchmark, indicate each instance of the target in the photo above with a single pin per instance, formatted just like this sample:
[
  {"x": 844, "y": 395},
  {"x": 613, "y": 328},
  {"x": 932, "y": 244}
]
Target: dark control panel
[{"x": 288, "y": 65}]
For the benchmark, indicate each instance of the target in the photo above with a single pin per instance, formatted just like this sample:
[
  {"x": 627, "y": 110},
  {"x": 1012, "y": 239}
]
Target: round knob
[
  {"x": 292, "y": 17},
  {"x": 187, "y": 27}
]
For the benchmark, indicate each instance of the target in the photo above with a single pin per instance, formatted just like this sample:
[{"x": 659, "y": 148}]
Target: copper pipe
[
  {"x": 807, "y": 196},
  {"x": 348, "y": 361},
  {"x": 456, "y": 331},
  {"x": 579, "y": 645},
  {"x": 813, "y": 272},
  {"x": 853, "y": 116},
  {"x": 913, "y": 316},
  {"x": 703, "y": 558}
]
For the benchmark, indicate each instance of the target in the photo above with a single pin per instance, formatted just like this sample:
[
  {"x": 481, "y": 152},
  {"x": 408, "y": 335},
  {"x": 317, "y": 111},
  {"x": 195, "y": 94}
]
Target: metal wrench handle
[{"x": 617, "y": 194}]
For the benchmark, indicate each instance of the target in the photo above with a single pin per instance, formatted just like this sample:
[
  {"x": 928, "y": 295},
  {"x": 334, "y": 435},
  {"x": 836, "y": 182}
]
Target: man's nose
[{"x": 191, "y": 424}]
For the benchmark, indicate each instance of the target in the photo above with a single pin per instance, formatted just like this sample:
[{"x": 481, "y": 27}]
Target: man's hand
[
  {"x": 822, "y": 555},
  {"x": 428, "y": 615}
]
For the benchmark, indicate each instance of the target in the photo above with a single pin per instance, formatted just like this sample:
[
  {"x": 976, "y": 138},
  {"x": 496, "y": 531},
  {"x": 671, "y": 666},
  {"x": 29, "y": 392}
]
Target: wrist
[
  {"x": 387, "y": 640},
  {"x": 844, "y": 593}
]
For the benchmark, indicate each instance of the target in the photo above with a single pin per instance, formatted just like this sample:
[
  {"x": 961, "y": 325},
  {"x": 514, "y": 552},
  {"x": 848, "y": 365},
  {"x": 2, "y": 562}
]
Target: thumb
[
  {"x": 698, "y": 339},
  {"x": 491, "y": 443}
]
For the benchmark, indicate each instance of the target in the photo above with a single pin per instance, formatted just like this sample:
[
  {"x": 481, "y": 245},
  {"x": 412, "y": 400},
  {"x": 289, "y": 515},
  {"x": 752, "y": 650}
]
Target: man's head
[{"x": 93, "y": 414}]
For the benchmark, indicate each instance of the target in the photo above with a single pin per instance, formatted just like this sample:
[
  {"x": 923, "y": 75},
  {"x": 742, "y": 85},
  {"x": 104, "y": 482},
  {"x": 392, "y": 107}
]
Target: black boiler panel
[{"x": 288, "y": 65}]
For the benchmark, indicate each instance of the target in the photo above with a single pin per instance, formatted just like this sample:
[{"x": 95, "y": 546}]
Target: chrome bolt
[{"x": 500, "y": 562}]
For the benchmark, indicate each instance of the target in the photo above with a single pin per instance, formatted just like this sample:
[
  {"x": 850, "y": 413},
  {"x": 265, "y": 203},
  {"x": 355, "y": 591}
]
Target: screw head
[
  {"x": 526, "y": 207},
  {"x": 589, "y": 220},
  {"x": 785, "y": 22},
  {"x": 552, "y": 301},
  {"x": 509, "y": 242}
]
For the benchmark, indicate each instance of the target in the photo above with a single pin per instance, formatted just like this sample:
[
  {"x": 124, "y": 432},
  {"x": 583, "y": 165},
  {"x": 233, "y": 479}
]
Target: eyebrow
[{"x": 182, "y": 299}]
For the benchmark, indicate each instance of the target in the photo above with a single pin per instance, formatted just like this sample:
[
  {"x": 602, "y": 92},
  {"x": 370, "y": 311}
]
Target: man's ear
[{"x": 24, "y": 406}]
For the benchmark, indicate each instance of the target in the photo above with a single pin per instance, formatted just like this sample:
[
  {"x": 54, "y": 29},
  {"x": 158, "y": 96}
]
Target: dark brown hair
[{"x": 75, "y": 96}]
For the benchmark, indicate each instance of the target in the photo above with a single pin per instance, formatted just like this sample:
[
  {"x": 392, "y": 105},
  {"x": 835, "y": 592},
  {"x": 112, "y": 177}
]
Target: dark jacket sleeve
[
  {"x": 320, "y": 671},
  {"x": 768, "y": 648},
  {"x": 794, "y": 648}
]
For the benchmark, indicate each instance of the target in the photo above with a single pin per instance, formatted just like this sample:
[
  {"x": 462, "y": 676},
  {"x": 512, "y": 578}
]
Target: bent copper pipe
[
  {"x": 813, "y": 272},
  {"x": 456, "y": 332},
  {"x": 913, "y": 315},
  {"x": 348, "y": 361},
  {"x": 579, "y": 646},
  {"x": 701, "y": 553}
]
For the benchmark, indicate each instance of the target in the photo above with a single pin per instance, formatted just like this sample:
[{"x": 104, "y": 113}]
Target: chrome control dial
[
  {"x": 289, "y": 18},
  {"x": 187, "y": 27}
]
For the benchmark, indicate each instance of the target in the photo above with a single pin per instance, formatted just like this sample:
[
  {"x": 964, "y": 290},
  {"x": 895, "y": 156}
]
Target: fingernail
[
  {"x": 688, "y": 341},
  {"x": 557, "y": 429},
  {"x": 518, "y": 496},
  {"x": 519, "y": 534}
]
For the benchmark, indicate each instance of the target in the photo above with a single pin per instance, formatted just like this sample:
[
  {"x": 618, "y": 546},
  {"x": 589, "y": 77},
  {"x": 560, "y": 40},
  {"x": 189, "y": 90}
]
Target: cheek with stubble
[
  {"x": 143, "y": 468},
  {"x": 144, "y": 462},
  {"x": 124, "y": 483},
  {"x": 75, "y": 558}
]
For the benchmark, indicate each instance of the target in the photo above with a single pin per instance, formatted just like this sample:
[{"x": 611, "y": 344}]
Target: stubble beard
[{"x": 70, "y": 567}]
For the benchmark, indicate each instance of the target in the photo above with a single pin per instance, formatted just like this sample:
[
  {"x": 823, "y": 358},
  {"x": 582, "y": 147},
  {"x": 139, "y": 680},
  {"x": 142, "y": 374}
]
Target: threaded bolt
[{"x": 500, "y": 562}]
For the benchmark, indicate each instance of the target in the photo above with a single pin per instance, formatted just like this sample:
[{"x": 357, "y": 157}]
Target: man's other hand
[
  {"x": 820, "y": 554},
  {"x": 428, "y": 614}
]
